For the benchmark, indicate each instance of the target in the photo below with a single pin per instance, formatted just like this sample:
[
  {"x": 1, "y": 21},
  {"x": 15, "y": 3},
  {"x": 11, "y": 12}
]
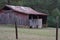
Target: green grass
[{"x": 8, "y": 33}]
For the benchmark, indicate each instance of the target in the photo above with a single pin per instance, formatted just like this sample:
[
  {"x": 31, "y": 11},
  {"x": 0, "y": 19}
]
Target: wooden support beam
[
  {"x": 37, "y": 23},
  {"x": 46, "y": 22},
  {"x": 31, "y": 17},
  {"x": 37, "y": 17}
]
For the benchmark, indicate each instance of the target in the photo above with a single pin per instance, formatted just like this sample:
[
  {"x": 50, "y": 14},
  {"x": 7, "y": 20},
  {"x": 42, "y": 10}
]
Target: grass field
[{"x": 8, "y": 33}]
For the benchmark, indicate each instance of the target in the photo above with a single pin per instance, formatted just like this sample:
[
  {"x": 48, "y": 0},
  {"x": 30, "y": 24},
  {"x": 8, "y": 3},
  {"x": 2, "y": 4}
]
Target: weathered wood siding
[
  {"x": 22, "y": 19},
  {"x": 7, "y": 17}
]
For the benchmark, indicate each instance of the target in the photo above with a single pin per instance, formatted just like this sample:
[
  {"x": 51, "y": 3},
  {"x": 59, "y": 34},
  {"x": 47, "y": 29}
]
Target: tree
[
  {"x": 55, "y": 12},
  {"x": 2, "y": 3}
]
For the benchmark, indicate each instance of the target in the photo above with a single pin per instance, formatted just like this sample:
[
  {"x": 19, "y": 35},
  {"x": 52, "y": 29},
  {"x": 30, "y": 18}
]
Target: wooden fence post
[
  {"x": 57, "y": 26},
  {"x": 16, "y": 30}
]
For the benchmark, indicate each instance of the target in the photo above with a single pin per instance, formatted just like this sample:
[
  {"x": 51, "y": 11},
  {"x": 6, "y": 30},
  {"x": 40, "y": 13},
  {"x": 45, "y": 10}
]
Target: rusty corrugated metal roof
[{"x": 26, "y": 10}]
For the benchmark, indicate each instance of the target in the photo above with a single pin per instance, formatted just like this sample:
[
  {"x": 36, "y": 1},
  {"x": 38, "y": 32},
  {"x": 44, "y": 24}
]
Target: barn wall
[
  {"x": 22, "y": 19},
  {"x": 7, "y": 17}
]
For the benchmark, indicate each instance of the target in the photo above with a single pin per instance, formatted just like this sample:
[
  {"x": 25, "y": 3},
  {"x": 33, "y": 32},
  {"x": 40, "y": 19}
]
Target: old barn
[{"x": 24, "y": 16}]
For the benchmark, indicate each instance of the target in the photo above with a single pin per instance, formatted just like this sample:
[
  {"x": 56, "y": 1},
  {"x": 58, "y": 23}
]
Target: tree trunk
[{"x": 8, "y": 2}]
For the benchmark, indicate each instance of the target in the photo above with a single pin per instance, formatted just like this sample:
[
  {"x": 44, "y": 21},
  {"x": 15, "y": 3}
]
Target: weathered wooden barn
[{"x": 24, "y": 16}]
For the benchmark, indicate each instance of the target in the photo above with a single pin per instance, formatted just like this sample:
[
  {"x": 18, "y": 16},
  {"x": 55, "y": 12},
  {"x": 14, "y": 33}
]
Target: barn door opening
[{"x": 35, "y": 21}]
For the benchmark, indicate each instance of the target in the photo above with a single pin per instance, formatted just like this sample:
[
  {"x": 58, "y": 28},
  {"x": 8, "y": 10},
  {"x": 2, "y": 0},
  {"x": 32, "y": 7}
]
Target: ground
[{"x": 8, "y": 33}]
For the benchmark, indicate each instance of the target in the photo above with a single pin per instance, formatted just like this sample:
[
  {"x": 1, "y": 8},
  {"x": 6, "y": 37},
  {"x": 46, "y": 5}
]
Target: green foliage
[
  {"x": 2, "y": 3},
  {"x": 52, "y": 17},
  {"x": 51, "y": 21},
  {"x": 36, "y": 4},
  {"x": 56, "y": 12}
]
